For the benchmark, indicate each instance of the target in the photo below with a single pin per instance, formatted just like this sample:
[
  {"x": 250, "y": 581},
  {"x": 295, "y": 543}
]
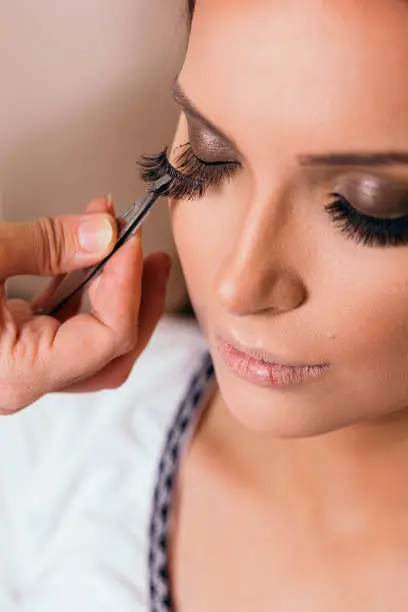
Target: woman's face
[{"x": 311, "y": 99}]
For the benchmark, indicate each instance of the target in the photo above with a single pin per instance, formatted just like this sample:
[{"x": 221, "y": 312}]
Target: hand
[{"x": 75, "y": 352}]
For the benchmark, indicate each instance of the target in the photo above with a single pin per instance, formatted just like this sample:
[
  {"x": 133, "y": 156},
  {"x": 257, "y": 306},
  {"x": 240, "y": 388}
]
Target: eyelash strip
[
  {"x": 191, "y": 177},
  {"x": 365, "y": 229}
]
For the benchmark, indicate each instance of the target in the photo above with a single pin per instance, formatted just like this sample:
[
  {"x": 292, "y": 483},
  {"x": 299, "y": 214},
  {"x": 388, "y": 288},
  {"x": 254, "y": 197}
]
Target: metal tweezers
[{"x": 128, "y": 224}]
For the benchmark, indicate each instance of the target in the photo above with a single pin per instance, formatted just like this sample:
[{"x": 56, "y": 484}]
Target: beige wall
[{"x": 84, "y": 91}]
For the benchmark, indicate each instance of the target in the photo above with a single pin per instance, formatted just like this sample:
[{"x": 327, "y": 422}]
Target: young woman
[{"x": 270, "y": 473}]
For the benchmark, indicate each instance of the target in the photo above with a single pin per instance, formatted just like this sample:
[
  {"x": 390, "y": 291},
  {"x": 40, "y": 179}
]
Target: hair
[{"x": 191, "y": 5}]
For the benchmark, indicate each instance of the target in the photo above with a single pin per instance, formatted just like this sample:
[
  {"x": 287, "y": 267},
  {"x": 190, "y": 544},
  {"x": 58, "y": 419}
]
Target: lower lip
[{"x": 263, "y": 373}]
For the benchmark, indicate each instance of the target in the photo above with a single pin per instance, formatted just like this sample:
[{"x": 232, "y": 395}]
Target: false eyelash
[
  {"x": 181, "y": 186},
  {"x": 212, "y": 173},
  {"x": 365, "y": 229},
  {"x": 190, "y": 178}
]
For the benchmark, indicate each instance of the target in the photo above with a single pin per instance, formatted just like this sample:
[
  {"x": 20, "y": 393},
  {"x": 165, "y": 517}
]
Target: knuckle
[
  {"x": 51, "y": 245},
  {"x": 126, "y": 339}
]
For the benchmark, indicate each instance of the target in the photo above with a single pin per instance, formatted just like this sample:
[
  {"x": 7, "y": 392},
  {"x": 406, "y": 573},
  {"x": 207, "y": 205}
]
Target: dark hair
[{"x": 191, "y": 5}]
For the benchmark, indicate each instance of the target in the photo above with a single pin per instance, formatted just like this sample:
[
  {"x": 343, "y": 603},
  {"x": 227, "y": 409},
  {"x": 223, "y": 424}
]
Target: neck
[{"x": 353, "y": 477}]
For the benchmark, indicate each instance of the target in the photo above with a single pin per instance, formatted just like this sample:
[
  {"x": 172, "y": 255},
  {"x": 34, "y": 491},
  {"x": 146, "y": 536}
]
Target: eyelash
[
  {"x": 365, "y": 229},
  {"x": 192, "y": 177}
]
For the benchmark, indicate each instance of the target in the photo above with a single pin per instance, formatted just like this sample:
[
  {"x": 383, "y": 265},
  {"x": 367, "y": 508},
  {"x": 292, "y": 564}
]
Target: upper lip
[{"x": 260, "y": 354}]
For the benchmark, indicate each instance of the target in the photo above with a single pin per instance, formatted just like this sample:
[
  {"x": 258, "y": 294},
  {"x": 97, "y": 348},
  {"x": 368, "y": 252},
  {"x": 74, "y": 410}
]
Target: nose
[{"x": 258, "y": 275}]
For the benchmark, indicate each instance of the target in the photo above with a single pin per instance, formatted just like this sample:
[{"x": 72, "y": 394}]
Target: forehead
[{"x": 271, "y": 67}]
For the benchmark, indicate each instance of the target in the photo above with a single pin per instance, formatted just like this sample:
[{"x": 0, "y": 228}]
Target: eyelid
[
  {"x": 187, "y": 153},
  {"x": 211, "y": 174},
  {"x": 209, "y": 146},
  {"x": 374, "y": 194}
]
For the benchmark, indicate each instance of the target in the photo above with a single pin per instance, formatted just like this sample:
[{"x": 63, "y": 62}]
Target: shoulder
[{"x": 161, "y": 378}]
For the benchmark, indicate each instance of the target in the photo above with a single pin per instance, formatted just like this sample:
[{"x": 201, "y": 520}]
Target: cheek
[
  {"x": 372, "y": 306},
  {"x": 357, "y": 299},
  {"x": 381, "y": 335},
  {"x": 367, "y": 325},
  {"x": 203, "y": 233}
]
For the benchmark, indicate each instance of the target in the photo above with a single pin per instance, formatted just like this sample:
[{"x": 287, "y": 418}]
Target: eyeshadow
[
  {"x": 206, "y": 139},
  {"x": 374, "y": 195},
  {"x": 209, "y": 147}
]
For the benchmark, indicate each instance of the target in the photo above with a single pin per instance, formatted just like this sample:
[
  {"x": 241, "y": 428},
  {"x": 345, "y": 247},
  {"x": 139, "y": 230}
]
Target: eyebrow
[
  {"x": 376, "y": 158},
  {"x": 180, "y": 97}
]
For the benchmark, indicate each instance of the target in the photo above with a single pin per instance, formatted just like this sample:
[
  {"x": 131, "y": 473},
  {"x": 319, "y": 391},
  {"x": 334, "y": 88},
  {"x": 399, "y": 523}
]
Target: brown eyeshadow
[{"x": 208, "y": 146}]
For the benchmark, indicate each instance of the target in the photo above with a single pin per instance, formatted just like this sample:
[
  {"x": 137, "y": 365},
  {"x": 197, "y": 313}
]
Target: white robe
[{"x": 77, "y": 475}]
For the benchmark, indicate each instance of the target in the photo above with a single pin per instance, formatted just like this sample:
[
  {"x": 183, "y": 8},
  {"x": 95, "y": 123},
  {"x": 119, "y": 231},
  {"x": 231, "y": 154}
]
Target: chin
[{"x": 280, "y": 413}]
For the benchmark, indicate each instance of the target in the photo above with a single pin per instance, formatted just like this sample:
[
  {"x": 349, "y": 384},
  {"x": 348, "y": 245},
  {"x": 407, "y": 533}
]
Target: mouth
[{"x": 264, "y": 369}]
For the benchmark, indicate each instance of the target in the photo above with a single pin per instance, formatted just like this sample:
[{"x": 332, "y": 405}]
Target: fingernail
[{"x": 95, "y": 234}]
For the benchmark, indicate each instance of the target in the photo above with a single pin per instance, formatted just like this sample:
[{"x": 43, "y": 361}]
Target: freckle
[{"x": 332, "y": 336}]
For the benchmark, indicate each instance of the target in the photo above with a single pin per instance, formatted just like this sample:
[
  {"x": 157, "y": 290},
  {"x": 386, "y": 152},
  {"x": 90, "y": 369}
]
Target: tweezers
[{"x": 128, "y": 224}]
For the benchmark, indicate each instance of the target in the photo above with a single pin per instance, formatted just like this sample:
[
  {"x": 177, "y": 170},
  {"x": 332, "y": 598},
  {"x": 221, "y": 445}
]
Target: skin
[
  {"x": 75, "y": 351},
  {"x": 305, "y": 487}
]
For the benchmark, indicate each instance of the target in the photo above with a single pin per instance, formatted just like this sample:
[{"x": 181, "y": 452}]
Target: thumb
[{"x": 53, "y": 245}]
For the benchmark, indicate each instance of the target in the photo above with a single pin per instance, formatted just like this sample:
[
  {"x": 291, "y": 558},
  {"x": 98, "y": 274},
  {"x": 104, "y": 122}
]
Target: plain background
[{"x": 85, "y": 89}]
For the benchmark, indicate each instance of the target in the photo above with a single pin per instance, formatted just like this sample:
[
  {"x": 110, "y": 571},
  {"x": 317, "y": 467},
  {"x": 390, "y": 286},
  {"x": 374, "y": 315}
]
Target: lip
[{"x": 263, "y": 368}]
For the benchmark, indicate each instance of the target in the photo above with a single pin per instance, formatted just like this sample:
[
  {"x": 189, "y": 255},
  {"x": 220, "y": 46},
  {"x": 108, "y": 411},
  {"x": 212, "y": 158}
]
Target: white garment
[{"x": 76, "y": 483}]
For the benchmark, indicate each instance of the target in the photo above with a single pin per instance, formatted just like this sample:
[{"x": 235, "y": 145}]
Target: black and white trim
[{"x": 159, "y": 583}]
